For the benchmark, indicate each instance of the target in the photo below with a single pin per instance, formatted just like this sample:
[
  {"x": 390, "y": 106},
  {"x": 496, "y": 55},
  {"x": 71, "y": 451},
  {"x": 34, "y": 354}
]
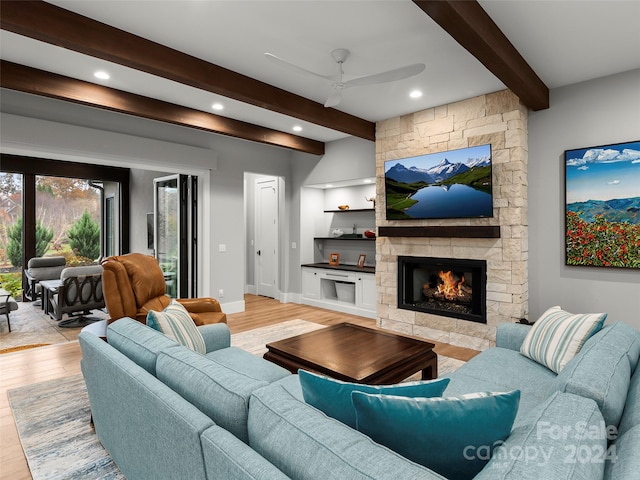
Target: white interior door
[{"x": 267, "y": 229}]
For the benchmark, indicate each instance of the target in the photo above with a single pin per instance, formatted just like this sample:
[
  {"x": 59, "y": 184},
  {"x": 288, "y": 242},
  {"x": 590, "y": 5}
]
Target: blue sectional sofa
[{"x": 165, "y": 412}]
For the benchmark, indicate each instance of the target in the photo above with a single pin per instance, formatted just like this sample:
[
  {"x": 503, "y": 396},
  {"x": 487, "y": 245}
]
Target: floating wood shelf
[
  {"x": 337, "y": 210},
  {"x": 483, "y": 231}
]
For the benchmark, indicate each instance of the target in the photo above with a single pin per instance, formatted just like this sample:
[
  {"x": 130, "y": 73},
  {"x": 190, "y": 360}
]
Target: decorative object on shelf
[
  {"x": 602, "y": 206},
  {"x": 361, "y": 260},
  {"x": 334, "y": 259},
  {"x": 371, "y": 199},
  {"x": 370, "y": 234},
  {"x": 337, "y": 233},
  {"x": 343, "y": 207}
]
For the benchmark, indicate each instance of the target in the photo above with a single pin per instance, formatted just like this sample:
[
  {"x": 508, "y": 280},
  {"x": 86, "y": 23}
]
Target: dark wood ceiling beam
[
  {"x": 468, "y": 23},
  {"x": 38, "y": 82},
  {"x": 49, "y": 23}
]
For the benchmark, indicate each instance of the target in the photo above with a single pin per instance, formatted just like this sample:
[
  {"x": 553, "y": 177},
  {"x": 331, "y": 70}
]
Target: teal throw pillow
[
  {"x": 453, "y": 436},
  {"x": 176, "y": 323},
  {"x": 557, "y": 336},
  {"x": 333, "y": 397}
]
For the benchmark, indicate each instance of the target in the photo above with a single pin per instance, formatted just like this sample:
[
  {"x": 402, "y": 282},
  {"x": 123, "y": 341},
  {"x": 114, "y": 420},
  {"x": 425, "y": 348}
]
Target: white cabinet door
[
  {"x": 310, "y": 283},
  {"x": 366, "y": 291}
]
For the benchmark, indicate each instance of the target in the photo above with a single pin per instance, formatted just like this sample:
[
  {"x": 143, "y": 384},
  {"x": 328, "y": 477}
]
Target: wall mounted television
[{"x": 452, "y": 184}]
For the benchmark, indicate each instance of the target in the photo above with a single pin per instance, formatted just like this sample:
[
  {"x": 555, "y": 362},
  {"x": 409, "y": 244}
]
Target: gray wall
[
  {"x": 74, "y": 132},
  {"x": 346, "y": 159},
  {"x": 141, "y": 203},
  {"x": 597, "y": 112}
]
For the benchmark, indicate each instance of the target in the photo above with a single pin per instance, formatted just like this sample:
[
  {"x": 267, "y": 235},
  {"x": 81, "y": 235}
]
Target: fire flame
[{"x": 451, "y": 286}]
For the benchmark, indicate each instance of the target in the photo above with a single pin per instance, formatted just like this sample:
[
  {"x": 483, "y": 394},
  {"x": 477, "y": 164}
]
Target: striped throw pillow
[
  {"x": 176, "y": 323},
  {"x": 557, "y": 336}
]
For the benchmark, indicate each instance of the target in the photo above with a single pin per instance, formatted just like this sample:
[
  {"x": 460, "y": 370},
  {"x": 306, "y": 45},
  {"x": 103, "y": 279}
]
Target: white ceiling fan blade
[
  {"x": 295, "y": 68},
  {"x": 389, "y": 76},
  {"x": 335, "y": 96}
]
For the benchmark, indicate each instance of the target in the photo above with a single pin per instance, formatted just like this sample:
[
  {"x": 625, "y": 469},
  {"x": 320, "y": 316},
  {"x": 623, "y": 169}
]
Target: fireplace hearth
[{"x": 443, "y": 286}]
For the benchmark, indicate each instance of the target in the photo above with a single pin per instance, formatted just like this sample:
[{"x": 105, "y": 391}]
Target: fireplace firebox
[{"x": 450, "y": 287}]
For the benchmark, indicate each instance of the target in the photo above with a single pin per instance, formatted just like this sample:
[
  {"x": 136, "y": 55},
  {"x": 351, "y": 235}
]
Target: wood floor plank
[{"x": 62, "y": 360}]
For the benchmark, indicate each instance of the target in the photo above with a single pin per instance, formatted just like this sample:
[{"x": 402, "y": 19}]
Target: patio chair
[
  {"x": 41, "y": 268},
  {"x": 80, "y": 292},
  {"x": 7, "y": 305}
]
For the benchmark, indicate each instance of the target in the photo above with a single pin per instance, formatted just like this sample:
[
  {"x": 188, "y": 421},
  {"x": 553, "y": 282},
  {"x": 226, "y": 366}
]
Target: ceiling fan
[{"x": 338, "y": 85}]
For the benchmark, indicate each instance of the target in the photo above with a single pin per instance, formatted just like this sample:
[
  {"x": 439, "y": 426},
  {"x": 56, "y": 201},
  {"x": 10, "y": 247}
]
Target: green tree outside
[
  {"x": 14, "y": 248},
  {"x": 84, "y": 237}
]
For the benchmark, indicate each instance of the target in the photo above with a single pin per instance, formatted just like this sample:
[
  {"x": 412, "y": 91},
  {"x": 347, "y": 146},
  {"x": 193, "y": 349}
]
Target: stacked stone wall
[{"x": 498, "y": 119}]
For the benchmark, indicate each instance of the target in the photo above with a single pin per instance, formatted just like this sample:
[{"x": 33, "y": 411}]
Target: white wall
[{"x": 597, "y": 112}]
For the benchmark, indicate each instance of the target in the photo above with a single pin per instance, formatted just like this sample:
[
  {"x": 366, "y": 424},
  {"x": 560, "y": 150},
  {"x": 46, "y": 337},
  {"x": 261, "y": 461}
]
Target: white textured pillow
[
  {"x": 176, "y": 323},
  {"x": 557, "y": 336}
]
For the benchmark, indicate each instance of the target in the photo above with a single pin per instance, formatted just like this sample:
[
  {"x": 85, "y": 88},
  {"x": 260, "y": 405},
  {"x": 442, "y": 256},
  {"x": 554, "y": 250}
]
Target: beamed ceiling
[{"x": 46, "y": 44}]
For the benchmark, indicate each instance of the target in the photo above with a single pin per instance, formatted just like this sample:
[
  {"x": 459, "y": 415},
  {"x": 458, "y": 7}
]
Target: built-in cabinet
[
  {"x": 341, "y": 290},
  {"x": 346, "y": 287}
]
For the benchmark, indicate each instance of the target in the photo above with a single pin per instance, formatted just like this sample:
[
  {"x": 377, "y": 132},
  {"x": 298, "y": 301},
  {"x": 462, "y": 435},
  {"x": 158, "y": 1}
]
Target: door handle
[{"x": 259, "y": 252}]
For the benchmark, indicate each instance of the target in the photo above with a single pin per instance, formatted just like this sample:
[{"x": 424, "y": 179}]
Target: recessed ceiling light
[
  {"x": 102, "y": 75},
  {"x": 297, "y": 128},
  {"x": 217, "y": 106},
  {"x": 415, "y": 94}
]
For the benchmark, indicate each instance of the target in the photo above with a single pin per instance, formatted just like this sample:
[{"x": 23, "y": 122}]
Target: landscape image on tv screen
[{"x": 453, "y": 184}]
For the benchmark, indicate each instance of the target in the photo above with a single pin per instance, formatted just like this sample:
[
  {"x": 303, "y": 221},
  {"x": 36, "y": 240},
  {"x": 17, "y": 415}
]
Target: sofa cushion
[
  {"x": 305, "y": 444},
  {"x": 243, "y": 362},
  {"x": 557, "y": 336},
  {"x": 631, "y": 414},
  {"x": 620, "y": 336},
  {"x": 511, "y": 335},
  {"x": 561, "y": 441},
  {"x": 516, "y": 372},
  {"x": 442, "y": 433},
  {"x": 222, "y": 392},
  {"x": 601, "y": 372},
  {"x": 623, "y": 461},
  {"x": 176, "y": 323},
  {"x": 226, "y": 457},
  {"x": 138, "y": 342},
  {"x": 333, "y": 397}
]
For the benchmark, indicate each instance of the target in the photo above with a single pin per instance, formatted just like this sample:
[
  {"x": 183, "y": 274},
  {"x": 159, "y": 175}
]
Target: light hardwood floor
[{"x": 63, "y": 360}]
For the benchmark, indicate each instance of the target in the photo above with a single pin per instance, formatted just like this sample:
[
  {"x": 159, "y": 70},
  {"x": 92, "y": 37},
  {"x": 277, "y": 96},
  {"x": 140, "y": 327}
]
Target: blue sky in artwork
[
  {"x": 603, "y": 173},
  {"x": 425, "y": 162}
]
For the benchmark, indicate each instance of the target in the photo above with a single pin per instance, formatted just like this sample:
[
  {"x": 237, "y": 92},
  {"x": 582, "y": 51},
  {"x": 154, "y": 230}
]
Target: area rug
[
  {"x": 254, "y": 341},
  {"x": 53, "y": 423},
  {"x": 52, "y": 417}
]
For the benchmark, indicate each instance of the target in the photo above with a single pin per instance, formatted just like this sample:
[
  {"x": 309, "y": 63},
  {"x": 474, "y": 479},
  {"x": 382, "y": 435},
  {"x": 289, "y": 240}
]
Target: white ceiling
[{"x": 565, "y": 42}]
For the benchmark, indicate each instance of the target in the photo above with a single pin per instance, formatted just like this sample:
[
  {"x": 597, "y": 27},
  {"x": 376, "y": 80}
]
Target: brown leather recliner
[{"x": 133, "y": 284}]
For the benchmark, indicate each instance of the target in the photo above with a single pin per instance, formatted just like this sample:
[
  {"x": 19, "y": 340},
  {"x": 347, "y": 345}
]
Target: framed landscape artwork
[{"x": 602, "y": 206}]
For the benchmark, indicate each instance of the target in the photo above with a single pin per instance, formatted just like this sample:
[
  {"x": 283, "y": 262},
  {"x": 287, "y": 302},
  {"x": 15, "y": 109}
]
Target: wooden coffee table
[{"x": 356, "y": 354}]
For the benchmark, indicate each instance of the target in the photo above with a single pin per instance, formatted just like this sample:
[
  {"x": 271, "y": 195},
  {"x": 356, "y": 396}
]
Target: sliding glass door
[{"x": 175, "y": 232}]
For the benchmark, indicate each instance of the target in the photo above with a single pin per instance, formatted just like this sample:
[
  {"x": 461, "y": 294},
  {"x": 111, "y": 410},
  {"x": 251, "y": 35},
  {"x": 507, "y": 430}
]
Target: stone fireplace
[{"x": 500, "y": 241}]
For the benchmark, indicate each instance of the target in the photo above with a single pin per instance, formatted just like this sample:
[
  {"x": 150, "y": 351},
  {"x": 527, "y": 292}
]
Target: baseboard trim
[{"x": 233, "y": 307}]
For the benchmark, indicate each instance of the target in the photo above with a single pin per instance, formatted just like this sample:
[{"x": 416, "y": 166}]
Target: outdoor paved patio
[{"x": 29, "y": 325}]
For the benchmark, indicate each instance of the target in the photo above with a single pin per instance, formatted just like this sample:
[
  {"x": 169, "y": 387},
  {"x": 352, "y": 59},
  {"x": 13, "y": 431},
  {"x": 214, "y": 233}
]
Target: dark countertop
[{"x": 347, "y": 268}]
